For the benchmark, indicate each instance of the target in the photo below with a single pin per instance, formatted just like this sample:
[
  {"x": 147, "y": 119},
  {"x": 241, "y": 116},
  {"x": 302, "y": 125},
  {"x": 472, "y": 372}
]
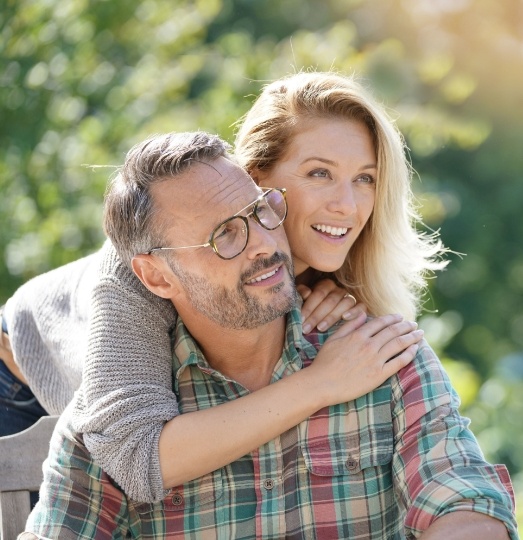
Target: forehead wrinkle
[
  {"x": 234, "y": 191},
  {"x": 208, "y": 164},
  {"x": 223, "y": 191}
]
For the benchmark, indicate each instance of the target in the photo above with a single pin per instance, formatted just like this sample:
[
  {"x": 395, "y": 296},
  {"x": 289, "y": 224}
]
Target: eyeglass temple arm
[{"x": 173, "y": 248}]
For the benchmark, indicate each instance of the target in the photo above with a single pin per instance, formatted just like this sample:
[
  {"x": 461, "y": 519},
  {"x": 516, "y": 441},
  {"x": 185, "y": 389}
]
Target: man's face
[{"x": 250, "y": 290}]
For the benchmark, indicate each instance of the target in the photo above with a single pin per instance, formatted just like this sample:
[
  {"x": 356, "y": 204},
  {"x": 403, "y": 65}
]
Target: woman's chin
[
  {"x": 327, "y": 267},
  {"x": 305, "y": 268}
]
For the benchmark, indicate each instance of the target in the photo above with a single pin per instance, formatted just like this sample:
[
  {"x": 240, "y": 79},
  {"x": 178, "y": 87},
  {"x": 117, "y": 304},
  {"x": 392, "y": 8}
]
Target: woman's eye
[
  {"x": 366, "y": 179},
  {"x": 320, "y": 173}
]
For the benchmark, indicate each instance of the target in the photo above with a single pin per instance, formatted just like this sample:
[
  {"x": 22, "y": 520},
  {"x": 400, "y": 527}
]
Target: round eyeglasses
[{"x": 230, "y": 237}]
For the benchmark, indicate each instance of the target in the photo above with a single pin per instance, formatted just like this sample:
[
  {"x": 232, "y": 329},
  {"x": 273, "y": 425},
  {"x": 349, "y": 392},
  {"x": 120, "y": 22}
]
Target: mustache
[{"x": 262, "y": 264}]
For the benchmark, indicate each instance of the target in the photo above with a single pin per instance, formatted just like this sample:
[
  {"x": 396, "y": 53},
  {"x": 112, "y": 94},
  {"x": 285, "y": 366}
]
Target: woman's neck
[{"x": 308, "y": 277}]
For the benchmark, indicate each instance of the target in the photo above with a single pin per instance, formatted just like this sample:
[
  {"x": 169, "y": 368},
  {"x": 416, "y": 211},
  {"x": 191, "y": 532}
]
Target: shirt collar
[{"x": 187, "y": 352}]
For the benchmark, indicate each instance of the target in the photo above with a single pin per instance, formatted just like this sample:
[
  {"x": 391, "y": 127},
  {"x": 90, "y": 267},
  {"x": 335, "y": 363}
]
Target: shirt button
[
  {"x": 177, "y": 499},
  {"x": 352, "y": 464},
  {"x": 268, "y": 484}
]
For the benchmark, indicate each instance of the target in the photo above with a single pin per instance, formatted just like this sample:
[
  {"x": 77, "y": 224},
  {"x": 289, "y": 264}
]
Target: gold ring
[{"x": 350, "y": 296}]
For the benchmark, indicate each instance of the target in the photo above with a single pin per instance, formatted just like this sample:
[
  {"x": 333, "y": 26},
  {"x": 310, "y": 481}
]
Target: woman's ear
[
  {"x": 255, "y": 174},
  {"x": 156, "y": 275}
]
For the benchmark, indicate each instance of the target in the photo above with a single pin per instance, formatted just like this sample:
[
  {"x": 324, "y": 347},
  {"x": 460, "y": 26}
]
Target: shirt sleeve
[
  {"x": 126, "y": 395},
  {"x": 438, "y": 465}
]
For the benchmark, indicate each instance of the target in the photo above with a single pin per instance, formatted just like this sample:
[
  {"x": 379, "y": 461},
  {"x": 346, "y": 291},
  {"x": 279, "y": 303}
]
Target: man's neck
[{"x": 246, "y": 356}]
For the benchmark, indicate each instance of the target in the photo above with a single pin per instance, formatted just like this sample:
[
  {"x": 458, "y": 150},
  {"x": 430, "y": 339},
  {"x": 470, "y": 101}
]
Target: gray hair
[{"x": 129, "y": 210}]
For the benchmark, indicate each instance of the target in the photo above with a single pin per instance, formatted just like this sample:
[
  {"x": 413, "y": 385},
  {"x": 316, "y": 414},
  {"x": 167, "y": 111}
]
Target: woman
[
  {"x": 138, "y": 466},
  {"x": 342, "y": 161}
]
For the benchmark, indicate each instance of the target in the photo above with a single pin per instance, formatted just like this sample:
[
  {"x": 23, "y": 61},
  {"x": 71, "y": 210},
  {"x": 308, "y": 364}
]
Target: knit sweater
[
  {"x": 95, "y": 316},
  {"x": 47, "y": 322}
]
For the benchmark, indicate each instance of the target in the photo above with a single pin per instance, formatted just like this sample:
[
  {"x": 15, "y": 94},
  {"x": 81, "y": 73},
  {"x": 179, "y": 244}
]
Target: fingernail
[
  {"x": 346, "y": 316},
  {"x": 322, "y": 326},
  {"x": 418, "y": 332},
  {"x": 306, "y": 328}
]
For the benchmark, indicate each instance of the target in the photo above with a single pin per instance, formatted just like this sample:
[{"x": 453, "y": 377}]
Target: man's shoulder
[
  {"x": 423, "y": 383},
  {"x": 425, "y": 367},
  {"x": 317, "y": 338}
]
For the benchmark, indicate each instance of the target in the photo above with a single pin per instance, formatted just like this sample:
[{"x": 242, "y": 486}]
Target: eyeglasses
[{"x": 230, "y": 237}]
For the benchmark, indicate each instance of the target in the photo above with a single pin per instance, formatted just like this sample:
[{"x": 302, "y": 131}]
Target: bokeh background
[{"x": 83, "y": 80}]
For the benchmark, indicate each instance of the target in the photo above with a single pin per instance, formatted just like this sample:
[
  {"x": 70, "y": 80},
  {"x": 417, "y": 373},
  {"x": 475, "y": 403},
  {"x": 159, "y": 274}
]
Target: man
[{"x": 395, "y": 462}]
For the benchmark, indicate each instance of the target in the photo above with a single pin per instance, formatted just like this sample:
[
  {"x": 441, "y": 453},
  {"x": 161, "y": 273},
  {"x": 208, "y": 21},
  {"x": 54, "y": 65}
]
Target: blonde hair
[{"x": 388, "y": 264}]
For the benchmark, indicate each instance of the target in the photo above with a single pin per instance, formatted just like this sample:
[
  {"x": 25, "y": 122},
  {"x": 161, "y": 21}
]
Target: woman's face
[{"x": 329, "y": 171}]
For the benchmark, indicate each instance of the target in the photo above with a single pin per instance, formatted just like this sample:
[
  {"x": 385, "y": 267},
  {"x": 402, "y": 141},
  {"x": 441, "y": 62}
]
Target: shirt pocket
[
  {"x": 349, "y": 454},
  {"x": 352, "y": 474}
]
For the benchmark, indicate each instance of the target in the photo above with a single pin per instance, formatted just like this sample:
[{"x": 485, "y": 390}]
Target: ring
[{"x": 350, "y": 296}]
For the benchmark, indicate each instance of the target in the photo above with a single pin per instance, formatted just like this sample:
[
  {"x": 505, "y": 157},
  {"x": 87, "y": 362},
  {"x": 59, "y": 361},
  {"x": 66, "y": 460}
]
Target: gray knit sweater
[
  {"x": 47, "y": 320},
  {"x": 95, "y": 315}
]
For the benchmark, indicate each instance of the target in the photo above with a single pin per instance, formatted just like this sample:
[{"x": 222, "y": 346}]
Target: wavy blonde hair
[{"x": 389, "y": 263}]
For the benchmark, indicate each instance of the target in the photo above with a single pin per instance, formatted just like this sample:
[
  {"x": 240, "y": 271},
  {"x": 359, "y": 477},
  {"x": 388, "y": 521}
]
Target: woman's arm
[
  {"x": 127, "y": 410},
  {"x": 353, "y": 361}
]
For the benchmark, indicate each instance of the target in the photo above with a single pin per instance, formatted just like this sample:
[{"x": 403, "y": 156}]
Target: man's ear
[{"x": 156, "y": 275}]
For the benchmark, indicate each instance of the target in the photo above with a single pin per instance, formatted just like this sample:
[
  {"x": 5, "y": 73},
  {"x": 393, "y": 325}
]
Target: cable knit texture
[{"x": 126, "y": 393}]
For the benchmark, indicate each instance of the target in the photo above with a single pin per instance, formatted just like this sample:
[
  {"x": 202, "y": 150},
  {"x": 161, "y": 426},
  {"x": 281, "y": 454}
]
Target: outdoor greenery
[{"x": 81, "y": 81}]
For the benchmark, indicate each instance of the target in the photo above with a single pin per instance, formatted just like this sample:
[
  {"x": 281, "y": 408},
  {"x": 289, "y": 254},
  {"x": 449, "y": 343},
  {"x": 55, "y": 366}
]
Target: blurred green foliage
[{"x": 82, "y": 81}]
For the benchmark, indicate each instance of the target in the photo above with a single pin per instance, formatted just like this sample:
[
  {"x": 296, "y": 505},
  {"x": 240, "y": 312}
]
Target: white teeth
[
  {"x": 334, "y": 231},
  {"x": 263, "y": 276}
]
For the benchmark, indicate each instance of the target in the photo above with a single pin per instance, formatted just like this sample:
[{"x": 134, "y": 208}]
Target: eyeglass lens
[
  {"x": 231, "y": 237},
  {"x": 270, "y": 211}
]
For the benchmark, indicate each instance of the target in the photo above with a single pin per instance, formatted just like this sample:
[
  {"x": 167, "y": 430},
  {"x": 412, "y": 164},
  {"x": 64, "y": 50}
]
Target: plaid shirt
[{"x": 383, "y": 466}]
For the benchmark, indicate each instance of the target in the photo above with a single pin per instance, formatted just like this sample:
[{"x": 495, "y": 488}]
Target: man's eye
[
  {"x": 262, "y": 208},
  {"x": 223, "y": 232}
]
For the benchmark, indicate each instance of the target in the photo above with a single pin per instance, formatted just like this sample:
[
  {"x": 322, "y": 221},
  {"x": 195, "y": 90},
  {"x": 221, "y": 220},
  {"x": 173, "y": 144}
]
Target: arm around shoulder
[{"x": 126, "y": 394}]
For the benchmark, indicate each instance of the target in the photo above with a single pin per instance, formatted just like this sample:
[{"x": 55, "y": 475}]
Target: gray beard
[{"x": 234, "y": 308}]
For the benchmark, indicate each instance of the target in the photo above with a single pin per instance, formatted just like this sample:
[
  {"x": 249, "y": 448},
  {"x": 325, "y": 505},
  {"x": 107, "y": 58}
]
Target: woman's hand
[
  {"x": 362, "y": 354},
  {"x": 326, "y": 304}
]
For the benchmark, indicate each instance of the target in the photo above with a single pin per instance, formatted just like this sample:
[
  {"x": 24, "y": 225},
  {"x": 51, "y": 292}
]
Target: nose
[
  {"x": 262, "y": 242},
  {"x": 343, "y": 200}
]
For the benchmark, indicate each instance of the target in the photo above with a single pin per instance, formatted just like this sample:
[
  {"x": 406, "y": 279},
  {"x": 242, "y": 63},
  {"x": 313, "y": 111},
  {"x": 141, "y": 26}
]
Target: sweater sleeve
[
  {"x": 47, "y": 318},
  {"x": 126, "y": 395}
]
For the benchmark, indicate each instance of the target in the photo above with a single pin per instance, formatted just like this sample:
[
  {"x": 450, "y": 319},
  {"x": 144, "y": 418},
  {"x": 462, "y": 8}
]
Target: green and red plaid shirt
[{"x": 381, "y": 467}]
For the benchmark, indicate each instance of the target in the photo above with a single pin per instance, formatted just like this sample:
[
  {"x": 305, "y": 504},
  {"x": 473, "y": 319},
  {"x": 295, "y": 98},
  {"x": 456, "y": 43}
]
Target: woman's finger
[
  {"x": 400, "y": 361},
  {"x": 374, "y": 326},
  {"x": 346, "y": 308},
  {"x": 329, "y": 311},
  {"x": 303, "y": 291},
  {"x": 320, "y": 291},
  {"x": 357, "y": 308},
  {"x": 396, "y": 345}
]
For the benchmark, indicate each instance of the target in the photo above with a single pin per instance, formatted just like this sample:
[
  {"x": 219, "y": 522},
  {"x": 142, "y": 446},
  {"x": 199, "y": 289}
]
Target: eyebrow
[{"x": 335, "y": 163}]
